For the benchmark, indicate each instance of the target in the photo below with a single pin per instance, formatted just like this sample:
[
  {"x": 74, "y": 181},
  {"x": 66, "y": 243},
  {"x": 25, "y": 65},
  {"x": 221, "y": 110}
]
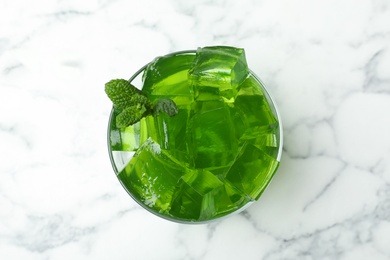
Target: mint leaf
[
  {"x": 130, "y": 115},
  {"x": 165, "y": 105},
  {"x": 123, "y": 94}
]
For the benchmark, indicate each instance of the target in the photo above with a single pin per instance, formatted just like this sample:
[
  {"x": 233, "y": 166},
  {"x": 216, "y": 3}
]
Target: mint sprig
[{"x": 131, "y": 104}]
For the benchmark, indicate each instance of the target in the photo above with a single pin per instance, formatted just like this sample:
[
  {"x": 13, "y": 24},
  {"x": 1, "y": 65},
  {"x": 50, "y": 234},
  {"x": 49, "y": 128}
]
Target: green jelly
[
  {"x": 151, "y": 176},
  {"x": 217, "y": 72},
  {"x": 217, "y": 154}
]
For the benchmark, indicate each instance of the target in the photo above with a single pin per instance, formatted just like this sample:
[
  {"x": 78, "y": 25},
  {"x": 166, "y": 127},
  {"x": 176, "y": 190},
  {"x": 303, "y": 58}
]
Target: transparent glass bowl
[{"x": 119, "y": 159}]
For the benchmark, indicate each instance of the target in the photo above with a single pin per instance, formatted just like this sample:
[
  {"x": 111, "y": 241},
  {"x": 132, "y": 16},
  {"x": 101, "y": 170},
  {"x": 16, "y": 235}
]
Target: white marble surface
[{"x": 327, "y": 64}]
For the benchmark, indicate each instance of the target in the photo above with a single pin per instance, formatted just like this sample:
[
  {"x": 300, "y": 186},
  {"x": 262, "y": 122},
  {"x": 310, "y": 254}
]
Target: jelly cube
[
  {"x": 170, "y": 133},
  {"x": 211, "y": 140},
  {"x": 151, "y": 176},
  {"x": 128, "y": 138},
  {"x": 195, "y": 196},
  {"x": 217, "y": 72},
  {"x": 253, "y": 115},
  {"x": 252, "y": 171},
  {"x": 167, "y": 77}
]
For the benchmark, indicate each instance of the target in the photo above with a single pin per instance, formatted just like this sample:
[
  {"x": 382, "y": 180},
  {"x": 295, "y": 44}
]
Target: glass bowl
[{"x": 120, "y": 158}]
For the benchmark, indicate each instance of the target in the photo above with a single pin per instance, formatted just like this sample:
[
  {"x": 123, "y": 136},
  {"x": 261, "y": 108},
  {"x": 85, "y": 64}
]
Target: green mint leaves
[
  {"x": 123, "y": 94},
  {"x": 131, "y": 104},
  {"x": 130, "y": 115}
]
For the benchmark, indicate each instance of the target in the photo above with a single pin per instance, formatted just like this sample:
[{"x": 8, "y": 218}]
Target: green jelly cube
[
  {"x": 238, "y": 122},
  {"x": 253, "y": 111},
  {"x": 151, "y": 176},
  {"x": 211, "y": 140},
  {"x": 252, "y": 171},
  {"x": 229, "y": 199},
  {"x": 268, "y": 142},
  {"x": 220, "y": 172},
  {"x": 250, "y": 86},
  {"x": 217, "y": 72},
  {"x": 206, "y": 93},
  {"x": 170, "y": 133},
  {"x": 167, "y": 77},
  {"x": 195, "y": 196},
  {"x": 128, "y": 138}
]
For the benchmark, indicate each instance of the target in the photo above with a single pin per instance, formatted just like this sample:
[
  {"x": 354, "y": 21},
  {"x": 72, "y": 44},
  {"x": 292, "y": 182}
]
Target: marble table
[{"x": 326, "y": 63}]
